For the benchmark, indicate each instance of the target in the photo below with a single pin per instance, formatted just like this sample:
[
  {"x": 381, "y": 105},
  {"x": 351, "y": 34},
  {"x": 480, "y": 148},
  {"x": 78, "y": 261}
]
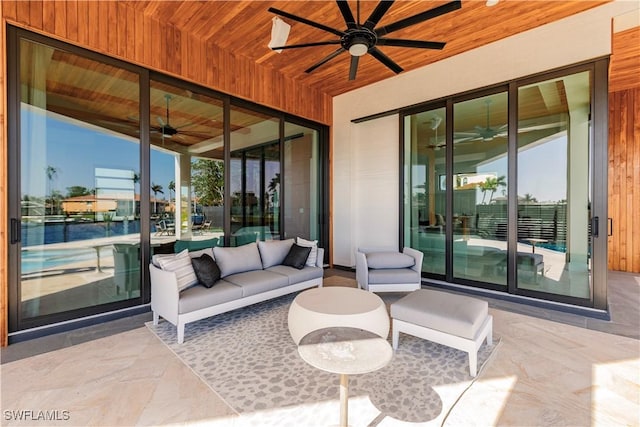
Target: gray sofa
[{"x": 249, "y": 274}]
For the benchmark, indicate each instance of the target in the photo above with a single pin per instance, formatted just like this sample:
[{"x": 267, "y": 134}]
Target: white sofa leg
[
  {"x": 180, "y": 332},
  {"x": 490, "y": 333},
  {"x": 156, "y": 318}
]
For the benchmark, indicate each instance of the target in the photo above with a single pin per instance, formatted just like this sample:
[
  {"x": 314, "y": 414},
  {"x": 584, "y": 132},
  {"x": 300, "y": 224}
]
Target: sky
[{"x": 76, "y": 151}]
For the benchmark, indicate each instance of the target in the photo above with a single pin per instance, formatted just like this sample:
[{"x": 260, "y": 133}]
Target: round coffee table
[
  {"x": 337, "y": 306},
  {"x": 345, "y": 351}
]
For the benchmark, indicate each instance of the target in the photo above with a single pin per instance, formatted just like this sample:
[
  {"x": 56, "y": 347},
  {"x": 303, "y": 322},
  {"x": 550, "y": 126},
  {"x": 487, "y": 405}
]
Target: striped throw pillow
[{"x": 180, "y": 264}]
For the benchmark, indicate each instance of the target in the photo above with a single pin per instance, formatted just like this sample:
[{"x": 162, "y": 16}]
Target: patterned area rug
[{"x": 248, "y": 357}]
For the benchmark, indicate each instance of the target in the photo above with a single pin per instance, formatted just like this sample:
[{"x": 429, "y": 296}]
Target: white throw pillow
[
  {"x": 313, "y": 255},
  {"x": 180, "y": 264}
]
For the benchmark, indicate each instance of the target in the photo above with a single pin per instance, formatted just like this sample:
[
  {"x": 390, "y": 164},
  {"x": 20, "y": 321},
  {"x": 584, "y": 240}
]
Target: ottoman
[
  {"x": 337, "y": 306},
  {"x": 456, "y": 321}
]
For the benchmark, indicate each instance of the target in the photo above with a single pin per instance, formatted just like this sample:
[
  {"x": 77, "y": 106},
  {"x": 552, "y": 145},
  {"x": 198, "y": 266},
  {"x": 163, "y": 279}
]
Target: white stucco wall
[{"x": 365, "y": 155}]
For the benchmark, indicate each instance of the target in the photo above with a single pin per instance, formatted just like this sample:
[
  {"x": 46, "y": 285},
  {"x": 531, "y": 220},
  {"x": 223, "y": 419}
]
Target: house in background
[{"x": 358, "y": 162}]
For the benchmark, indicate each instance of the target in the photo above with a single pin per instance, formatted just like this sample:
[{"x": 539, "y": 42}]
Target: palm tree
[
  {"x": 156, "y": 188},
  {"x": 172, "y": 188},
  {"x": 52, "y": 173},
  {"x": 528, "y": 198},
  {"x": 492, "y": 184}
]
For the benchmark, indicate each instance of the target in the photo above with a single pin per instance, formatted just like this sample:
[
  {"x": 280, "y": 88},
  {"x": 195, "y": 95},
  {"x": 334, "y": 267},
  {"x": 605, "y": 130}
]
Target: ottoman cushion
[{"x": 453, "y": 314}]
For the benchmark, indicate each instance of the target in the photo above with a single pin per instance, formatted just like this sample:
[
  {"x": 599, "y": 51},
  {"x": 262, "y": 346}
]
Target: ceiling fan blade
[
  {"x": 353, "y": 69},
  {"x": 376, "y": 53},
  {"x": 420, "y": 17},
  {"x": 325, "y": 60},
  {"x": 377, "y": 14},
  {"x": 305, "y": 21},
  {"x": 347, "y": 14},
  {"x": 410, "y": 43},
  {"x": 160, "y": 120},
  {"x": 294, "y": 46}
]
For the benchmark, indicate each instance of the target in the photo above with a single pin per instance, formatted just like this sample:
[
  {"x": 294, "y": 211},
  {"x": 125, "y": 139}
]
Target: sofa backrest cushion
[
  {"x": 377, "y": 260},
  {"x": 206, "y": 269},
  {"x": 313, "y": 255},
  {"x": 273, "y": 252},
  {"x": 238, "y": 259},
  {"x": 180, "y": 264},
  {"x": 297, "y": 256}
]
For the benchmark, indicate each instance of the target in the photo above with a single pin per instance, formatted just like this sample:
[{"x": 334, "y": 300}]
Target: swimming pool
[{"x": 38, "y": 260}]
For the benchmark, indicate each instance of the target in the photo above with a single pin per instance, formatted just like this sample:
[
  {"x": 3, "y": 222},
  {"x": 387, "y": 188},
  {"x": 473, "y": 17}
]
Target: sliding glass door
[
  {"x": 503, "y": 188},
  {"x": 79, "y": 219}
]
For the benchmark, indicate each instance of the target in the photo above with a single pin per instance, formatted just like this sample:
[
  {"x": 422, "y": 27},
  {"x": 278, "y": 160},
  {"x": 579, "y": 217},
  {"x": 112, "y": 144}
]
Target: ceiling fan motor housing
[{"x": 356, "y": 37}]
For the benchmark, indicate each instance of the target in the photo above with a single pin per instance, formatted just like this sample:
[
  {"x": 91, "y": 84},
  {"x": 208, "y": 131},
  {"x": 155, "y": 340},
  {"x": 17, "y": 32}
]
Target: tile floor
[{"x": 550, "y": 369}]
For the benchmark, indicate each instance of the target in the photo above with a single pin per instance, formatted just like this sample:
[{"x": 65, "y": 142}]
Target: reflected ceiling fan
[
  {"x": 165, "y": 128},
  {"x": 361, "y": 38},
  {"x": 486, "y": 133}
]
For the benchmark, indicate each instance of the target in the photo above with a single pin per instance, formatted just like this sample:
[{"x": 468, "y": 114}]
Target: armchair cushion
[
  {"x": 393, "y": 275},
  {"x": 383, "y": 260}
]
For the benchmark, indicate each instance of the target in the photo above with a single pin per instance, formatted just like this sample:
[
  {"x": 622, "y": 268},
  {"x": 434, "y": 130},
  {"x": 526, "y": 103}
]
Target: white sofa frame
[{"x": 165, "y": 298}]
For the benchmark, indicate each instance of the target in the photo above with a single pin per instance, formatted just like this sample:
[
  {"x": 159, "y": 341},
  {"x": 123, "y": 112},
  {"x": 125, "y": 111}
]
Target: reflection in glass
[
  {"x": 554, "y": 186},
  {"x": 301, "y": 164},
  {"x": 187, "y": 168},
  {"x": 425, "y": 149},
  {"x": 255, "y": 174},
  {"x": 80, "y": 163},
  {"x": 479, "y": 217}
]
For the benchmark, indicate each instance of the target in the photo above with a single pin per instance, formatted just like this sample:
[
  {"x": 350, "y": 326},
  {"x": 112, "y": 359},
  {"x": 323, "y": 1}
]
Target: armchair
[{"x": 387, "y": 270}]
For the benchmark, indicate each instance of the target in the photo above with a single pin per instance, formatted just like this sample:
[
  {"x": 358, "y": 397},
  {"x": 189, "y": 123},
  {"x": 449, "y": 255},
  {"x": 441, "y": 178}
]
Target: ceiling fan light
[
  {"x": 492, "y": 2},
  {"x": 358, "y": 49}
]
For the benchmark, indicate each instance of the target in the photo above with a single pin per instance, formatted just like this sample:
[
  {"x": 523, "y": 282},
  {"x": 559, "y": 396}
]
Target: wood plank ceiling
[{"x": 244, "y": 28}]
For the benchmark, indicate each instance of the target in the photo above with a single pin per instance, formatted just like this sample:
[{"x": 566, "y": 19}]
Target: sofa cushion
[
  {"x": 295, "y": 275},
  {"x": 257, "y": 281},
  {"x": 297, "y": 256},
  {"x": 207, "y": 271},
  {"x": 313, "y": 255},
  {"x": 180, "y": 264},
  {"x": 274, "y": 252},
  {"x": 238, "y": 259},
  {"x": 393, "y": 275},
  {"x": 197, "y": 297},
  {"x": 377, "y": 260}
]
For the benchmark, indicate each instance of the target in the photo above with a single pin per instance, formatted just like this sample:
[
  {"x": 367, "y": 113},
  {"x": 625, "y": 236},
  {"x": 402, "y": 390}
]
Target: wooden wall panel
[
  {"x": 4, "y": 273},
  {"x": 120, "y": 30},
  {"x": 624, "y": 179},
  {"x": 624, "y": 151}
]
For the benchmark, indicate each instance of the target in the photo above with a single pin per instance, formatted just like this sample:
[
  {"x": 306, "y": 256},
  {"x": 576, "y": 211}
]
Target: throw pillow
[
  {"x": 313, "y": 255},
  {"x": 274, "y": 251},
  {"x": 297, "y": 256},
  {"x": 207, "y": 271},
  {"x": 180, "y": 264}
]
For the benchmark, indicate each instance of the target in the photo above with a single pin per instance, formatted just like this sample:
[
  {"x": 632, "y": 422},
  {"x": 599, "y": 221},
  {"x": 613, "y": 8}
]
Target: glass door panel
[
  {"x": 255, "y": 171},
  {"x": 425, "y": 155},
  {"x": 301, "y": 164},
  {"x": 479, "y": 217},
  {"x": 79, "y": 173},
  {"x": 554, "y": 186}
]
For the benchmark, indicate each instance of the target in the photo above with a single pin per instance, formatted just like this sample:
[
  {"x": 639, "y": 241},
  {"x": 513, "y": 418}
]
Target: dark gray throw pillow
[
  {"x": 297, "y": 256},
  {"x": 207, "y": 271}
]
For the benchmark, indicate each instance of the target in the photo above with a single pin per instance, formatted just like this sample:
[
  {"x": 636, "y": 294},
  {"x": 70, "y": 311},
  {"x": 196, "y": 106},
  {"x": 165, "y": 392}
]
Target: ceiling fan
[
  {"x": 361, "y": 38},
  {"x": 486, "y": 133},
  {"x": 165, "y": 128}
]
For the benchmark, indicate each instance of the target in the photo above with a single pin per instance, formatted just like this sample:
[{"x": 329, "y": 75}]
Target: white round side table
[{"x": 337, "y": 306}]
